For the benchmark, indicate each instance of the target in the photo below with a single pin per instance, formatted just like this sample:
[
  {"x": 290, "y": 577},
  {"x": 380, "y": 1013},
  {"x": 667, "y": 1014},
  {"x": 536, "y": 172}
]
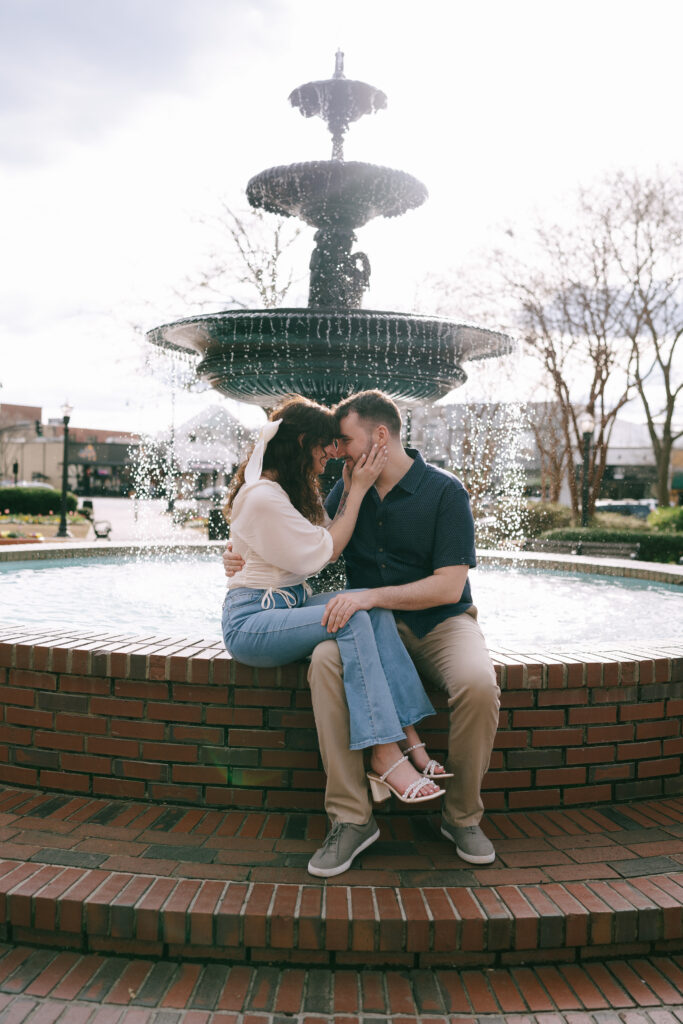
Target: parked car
[
  {"x": 30, "y": 483},
  {"x": 212, "y": 494},
  {"x": 640, "y": 507}
]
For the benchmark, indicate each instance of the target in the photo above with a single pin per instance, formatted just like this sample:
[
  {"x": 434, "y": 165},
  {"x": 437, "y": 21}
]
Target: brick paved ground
[
  {"x": 43, "y": 987},
  {"x": 571, "y": 845},
  {"x": 112, "y": 877}
]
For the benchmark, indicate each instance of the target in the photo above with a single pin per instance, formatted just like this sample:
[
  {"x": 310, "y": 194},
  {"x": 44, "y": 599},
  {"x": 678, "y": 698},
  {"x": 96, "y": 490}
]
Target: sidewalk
[{"x": 140, "y": 520}]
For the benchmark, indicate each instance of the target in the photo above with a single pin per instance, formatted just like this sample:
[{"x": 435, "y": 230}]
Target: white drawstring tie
[{"x": 268, "y": 599}]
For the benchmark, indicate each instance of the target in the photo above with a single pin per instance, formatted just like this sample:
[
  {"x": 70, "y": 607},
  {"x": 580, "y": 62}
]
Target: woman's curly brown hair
[{"x": 305, "y": 424}]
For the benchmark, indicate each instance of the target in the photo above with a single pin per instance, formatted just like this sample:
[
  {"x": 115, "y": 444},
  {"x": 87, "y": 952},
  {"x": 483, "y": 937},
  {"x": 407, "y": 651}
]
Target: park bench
[{"x": 601, "y": 549}]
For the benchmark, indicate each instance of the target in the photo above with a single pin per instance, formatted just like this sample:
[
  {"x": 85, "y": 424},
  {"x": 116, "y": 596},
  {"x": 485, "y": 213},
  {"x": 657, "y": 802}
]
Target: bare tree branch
[
  {"x": 256, "y": 257},
  {"x": 600, "y": 303}
]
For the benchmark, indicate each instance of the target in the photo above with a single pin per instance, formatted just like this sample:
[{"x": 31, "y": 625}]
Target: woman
[{"x": 278, "y": 526}]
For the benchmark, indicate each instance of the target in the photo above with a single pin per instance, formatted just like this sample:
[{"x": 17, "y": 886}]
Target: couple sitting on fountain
[{"x": 407, "y": 532}]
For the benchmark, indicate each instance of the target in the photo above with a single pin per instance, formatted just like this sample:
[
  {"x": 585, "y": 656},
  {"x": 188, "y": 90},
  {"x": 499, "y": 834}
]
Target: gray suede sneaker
[
  {"x": 342, "y": 843},
  {"x": 470, "y": 842}
]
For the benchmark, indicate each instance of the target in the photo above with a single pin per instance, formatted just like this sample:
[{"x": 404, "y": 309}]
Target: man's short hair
[{"x": 374, "y": 406}]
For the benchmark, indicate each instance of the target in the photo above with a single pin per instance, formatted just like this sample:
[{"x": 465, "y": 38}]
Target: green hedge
[
  {"x": 654, "y": 547},
  {"x": 35, "y": 501}
]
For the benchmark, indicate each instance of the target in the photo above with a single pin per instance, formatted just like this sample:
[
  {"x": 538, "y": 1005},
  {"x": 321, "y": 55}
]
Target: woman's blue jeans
[{"x": 383, "y": 689}]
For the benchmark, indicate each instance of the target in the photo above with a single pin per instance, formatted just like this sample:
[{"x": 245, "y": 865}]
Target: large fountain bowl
[
  {"x": 332, "y": 193},
  {"x": 259, "y": 356}
]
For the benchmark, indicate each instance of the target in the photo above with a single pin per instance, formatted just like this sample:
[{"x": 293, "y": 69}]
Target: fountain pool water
[{"x": 174, "y": 597}]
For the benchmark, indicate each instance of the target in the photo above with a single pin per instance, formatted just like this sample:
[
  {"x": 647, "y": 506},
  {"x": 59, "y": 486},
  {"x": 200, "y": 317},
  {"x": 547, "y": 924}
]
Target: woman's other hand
[
  {"x": 368, "y": 467},
  {"x": 232, "y": 563}
]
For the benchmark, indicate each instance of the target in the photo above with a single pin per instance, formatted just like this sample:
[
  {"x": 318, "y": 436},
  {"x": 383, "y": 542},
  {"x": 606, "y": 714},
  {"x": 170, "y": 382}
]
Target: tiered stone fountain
[{"x": 332, "y": 347}]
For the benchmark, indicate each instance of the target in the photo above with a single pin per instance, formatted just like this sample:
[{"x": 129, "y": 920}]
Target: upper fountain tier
[
  {"x": 339, "y": 101},
  {"x": 332, "y": 194}
]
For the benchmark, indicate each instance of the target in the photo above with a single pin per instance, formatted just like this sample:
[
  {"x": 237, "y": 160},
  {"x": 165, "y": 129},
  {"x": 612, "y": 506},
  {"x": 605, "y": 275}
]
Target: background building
[{"x": 99, "y": 461}]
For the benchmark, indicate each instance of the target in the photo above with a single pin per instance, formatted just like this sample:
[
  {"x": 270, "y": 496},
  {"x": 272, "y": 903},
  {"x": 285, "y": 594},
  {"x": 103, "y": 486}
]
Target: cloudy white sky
[{"x": 123, "y": 121}]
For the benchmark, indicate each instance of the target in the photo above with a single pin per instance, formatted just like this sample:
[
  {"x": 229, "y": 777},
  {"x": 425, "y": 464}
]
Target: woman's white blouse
[{"x": 280, "y": 547}]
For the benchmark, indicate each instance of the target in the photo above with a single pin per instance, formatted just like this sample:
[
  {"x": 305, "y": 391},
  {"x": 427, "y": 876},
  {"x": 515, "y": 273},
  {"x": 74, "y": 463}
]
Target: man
[{"x": 411, "y": 551}]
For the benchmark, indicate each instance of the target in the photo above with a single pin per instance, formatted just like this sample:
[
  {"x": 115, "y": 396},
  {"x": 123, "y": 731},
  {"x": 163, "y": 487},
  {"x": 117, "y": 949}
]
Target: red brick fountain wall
[{"x": 161, "y": 721}]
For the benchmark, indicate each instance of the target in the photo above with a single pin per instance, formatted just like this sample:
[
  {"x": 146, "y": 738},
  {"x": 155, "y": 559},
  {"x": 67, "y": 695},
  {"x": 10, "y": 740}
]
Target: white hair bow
[{"x": 254, "y": 467}]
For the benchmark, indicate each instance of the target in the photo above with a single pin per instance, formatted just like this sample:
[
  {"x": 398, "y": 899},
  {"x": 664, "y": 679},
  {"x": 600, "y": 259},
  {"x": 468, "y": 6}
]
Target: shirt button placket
[{"x": 380, "y": 549}]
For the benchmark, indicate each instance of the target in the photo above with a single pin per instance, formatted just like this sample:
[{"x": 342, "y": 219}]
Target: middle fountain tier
[{"x": 332, "y": 347}]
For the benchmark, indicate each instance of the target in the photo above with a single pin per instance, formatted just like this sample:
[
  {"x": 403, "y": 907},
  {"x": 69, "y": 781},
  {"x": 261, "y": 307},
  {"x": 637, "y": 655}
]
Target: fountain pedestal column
[{"x": 338, "y": 276}]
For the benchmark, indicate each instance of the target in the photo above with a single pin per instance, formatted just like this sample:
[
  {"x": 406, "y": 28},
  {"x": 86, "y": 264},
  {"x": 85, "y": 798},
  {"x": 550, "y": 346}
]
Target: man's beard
[
  {"x": 366, "y": 452},
  {"x": 352, "y": 463}
]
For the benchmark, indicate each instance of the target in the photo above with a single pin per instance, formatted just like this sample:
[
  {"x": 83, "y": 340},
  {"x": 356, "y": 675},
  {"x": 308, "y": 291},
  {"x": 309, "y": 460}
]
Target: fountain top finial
[
  {"x": 339, "y": 101},
  {"x": 339, "y": 64}
]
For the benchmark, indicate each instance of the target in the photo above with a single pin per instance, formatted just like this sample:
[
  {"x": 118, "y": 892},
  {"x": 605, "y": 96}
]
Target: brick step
[
  {"x": 133, "y": 880},
  {"x": 341, "y": 925},
  {"x": 609, "y": 842},
  {"x": 106, "y": 876},
  {"x": 53, "y": 986}
]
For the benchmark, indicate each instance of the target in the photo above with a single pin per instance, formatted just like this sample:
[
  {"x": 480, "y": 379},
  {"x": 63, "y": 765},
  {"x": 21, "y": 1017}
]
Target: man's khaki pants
[{"x": 452, "y": 657}]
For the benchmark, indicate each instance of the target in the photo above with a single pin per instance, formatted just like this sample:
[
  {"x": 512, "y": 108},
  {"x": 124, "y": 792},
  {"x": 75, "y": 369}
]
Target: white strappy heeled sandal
[
  {"x": 381, "y": 789},
  {"x": 430, "y": 771}
]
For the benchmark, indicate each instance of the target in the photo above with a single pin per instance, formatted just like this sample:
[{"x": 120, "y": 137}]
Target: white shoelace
[{"x": 333, "y": 835}]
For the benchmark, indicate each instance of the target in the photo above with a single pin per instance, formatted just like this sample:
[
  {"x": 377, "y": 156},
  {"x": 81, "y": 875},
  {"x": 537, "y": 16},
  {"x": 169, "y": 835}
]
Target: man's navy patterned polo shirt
[{"x": 424, "y": 523}]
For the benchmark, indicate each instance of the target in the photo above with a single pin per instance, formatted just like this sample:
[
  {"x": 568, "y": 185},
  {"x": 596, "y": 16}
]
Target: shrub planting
[
  {"x": 615, "y": 521},
  {"x": 35, "y": 501},
  {"x": 539, "y": 516},
  {"x": 666, "y": 520}
]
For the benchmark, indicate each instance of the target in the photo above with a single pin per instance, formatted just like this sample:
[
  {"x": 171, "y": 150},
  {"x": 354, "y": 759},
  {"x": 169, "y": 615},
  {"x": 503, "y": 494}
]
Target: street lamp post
[
  {"x": 587, "y": 426},
  {"x": 66, "y": 416}
]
